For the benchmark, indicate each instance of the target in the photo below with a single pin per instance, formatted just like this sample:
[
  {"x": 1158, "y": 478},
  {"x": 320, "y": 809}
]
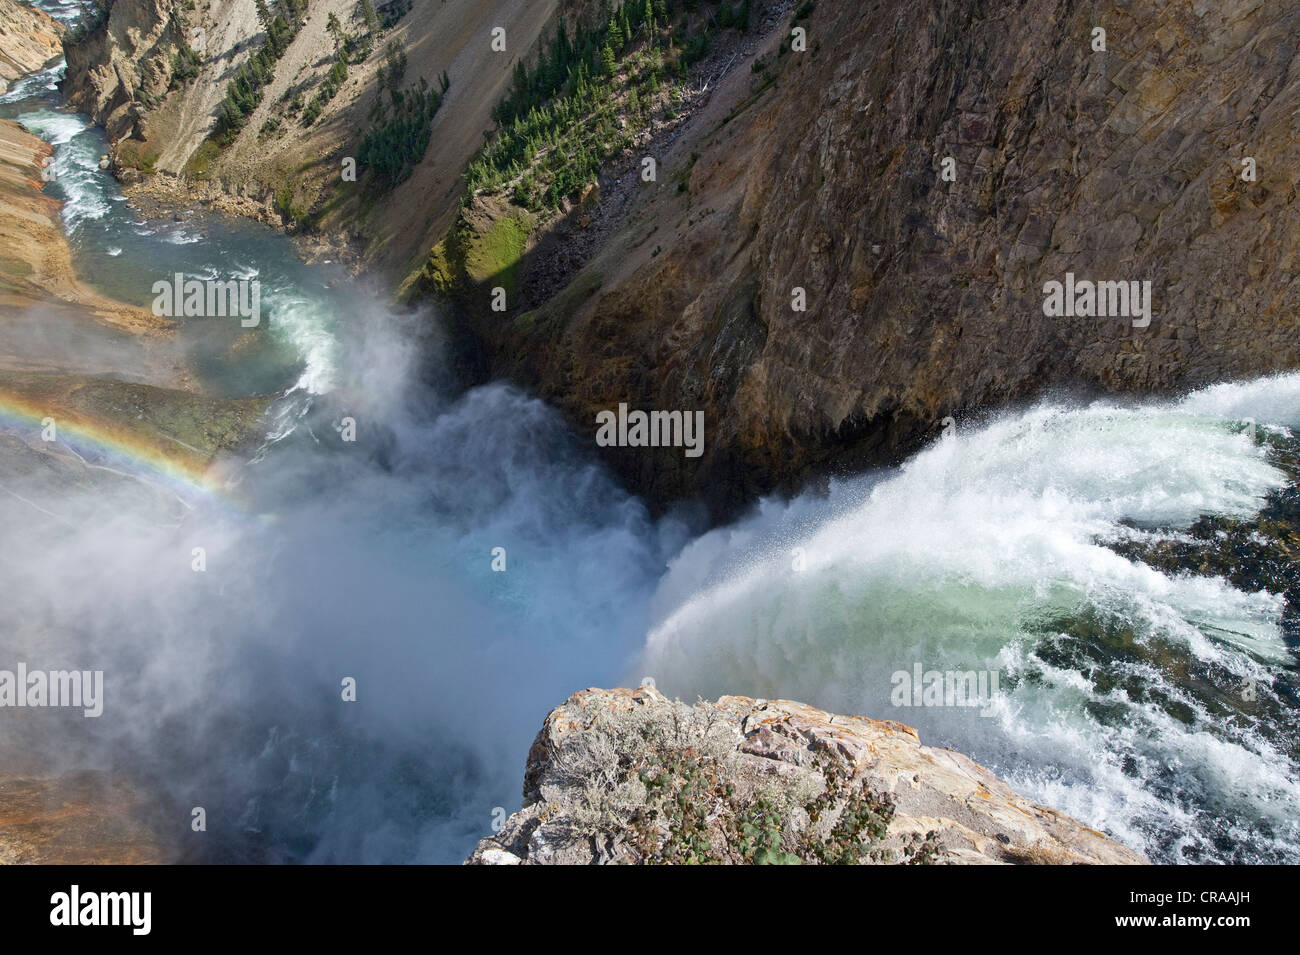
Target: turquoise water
[
  {"x": 123, "y": 255},
  {"x": 325, "y": 559},
  {"x": 996, "y": 549},
  {"x": 1160, "y": 707}
]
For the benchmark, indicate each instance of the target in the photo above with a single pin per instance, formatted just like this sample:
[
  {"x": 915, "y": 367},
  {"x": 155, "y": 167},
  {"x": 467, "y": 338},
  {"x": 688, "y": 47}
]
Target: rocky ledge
[{"x": 629, "y": 776}]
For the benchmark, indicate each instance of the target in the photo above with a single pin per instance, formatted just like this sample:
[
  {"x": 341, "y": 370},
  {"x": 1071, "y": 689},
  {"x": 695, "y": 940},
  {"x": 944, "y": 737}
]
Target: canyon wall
[
  {"x": 278, "y": 167},
  {"x": 36, "y": 267},
  {"x": 847, "y": 242},
  {"x": 29, "y": 39},
  {"x": 822, "y": 171},
  {"x": 119, "y": 63}
]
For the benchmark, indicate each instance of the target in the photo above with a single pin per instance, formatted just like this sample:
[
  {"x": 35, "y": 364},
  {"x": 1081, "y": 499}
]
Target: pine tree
[
  {"x": 369, "y": 16},
  {"x": 563, "y": 51}
]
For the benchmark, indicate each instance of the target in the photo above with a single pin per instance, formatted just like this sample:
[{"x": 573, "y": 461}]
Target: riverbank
[
  {"x": 462, "y": 558},
  {"x": 72, "y": 354},
  {"x": 98, "y": 401},
  {"x": 163, "y": 196},
  {"x": 29, "y": 40},
  {"x": 36, "y": 263}
]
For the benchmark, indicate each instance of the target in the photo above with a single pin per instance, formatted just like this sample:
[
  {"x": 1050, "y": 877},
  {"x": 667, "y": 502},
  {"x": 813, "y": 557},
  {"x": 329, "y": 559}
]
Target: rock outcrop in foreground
[{"x": 629, "y": 776}]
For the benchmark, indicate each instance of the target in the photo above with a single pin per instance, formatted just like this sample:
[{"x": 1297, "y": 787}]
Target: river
[{"x": 1150, "y": 699}]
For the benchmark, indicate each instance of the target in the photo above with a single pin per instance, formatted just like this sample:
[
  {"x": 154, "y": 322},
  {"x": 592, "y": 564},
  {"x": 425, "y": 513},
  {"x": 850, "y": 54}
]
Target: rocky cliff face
[
  {"x": 628, "y": 776},
  {"x": 823, "y": 171},
  {"x": 845, "y": 243},
  {"x": 29, "y": 39},
  {"x": 279, "y": 165},
  {"x": 122, "y": 63}
]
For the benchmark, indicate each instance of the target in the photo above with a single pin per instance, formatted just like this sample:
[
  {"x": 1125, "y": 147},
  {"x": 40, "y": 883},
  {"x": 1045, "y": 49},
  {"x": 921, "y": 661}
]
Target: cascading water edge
[
  {"x": 1154, "y": 701},
  {"x": 1113, "y": 562},
  {"x": 326, "y": 560}
]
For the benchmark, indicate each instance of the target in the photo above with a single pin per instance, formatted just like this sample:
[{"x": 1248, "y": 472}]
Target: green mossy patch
[
  {"x": 484, "y": 251},
  {"x": 16, "y": 267},
  {"x": 196, "y": 167},
  {"x": 495, "y": 255}
]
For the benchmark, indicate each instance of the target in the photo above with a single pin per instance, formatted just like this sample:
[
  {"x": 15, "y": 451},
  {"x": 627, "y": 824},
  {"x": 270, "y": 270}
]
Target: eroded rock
[{"x": 629, "y": 776}]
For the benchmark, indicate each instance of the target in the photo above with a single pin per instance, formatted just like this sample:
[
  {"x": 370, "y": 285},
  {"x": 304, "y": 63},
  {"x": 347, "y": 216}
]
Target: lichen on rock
[{"x": 630, "y": 777}]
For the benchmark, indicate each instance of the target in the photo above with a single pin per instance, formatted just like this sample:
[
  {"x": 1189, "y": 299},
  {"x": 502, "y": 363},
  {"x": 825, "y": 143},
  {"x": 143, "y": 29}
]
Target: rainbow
[{"x": 186, "y": 472}]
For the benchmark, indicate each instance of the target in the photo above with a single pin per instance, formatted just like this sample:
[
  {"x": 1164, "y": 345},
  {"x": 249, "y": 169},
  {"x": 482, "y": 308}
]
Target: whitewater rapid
[
  {"x": 991, "y": 551},
  {"x": 996, "y": 548},
  {"x": 302, "y": 312}
]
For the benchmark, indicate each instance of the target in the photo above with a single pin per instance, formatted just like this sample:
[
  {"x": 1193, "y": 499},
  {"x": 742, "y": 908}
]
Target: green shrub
[
  {"x": 329, "y": 88},
  {"x": 313, "y": 111},
  {"x": 399, "y": 136},
  {"x": 393, "y": 69},
  {"x": 185, "y": 66},
  {"x": 393, "y": 11},
  {"x": 560, "y": 120},
  {"x": 244, "y": 91},
  {"x": 92, "y": 20}
]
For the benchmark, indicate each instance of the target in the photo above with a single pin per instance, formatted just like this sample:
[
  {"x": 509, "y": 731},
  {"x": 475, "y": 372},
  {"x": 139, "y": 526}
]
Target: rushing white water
[
  {"x": 76, "y": 169},
  {"x": 985, "y": 552},
  {"x": 369, "y": 560},
  {"x": 301, "y": 312},
  {"x": 37, "y": 84},
  {"x": 1122, "y": 685},
  {"x": 66, "y": 10}
]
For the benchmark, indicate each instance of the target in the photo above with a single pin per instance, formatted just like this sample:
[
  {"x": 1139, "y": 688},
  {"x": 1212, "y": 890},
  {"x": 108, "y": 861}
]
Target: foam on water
[
  {"x": 298, "y": 313},
  {"x": 987, "y": 551},
  {"x": 65, "y": 10},
  {"x": 76, "y": 165},
  {"x": 37, "y": 84}
]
